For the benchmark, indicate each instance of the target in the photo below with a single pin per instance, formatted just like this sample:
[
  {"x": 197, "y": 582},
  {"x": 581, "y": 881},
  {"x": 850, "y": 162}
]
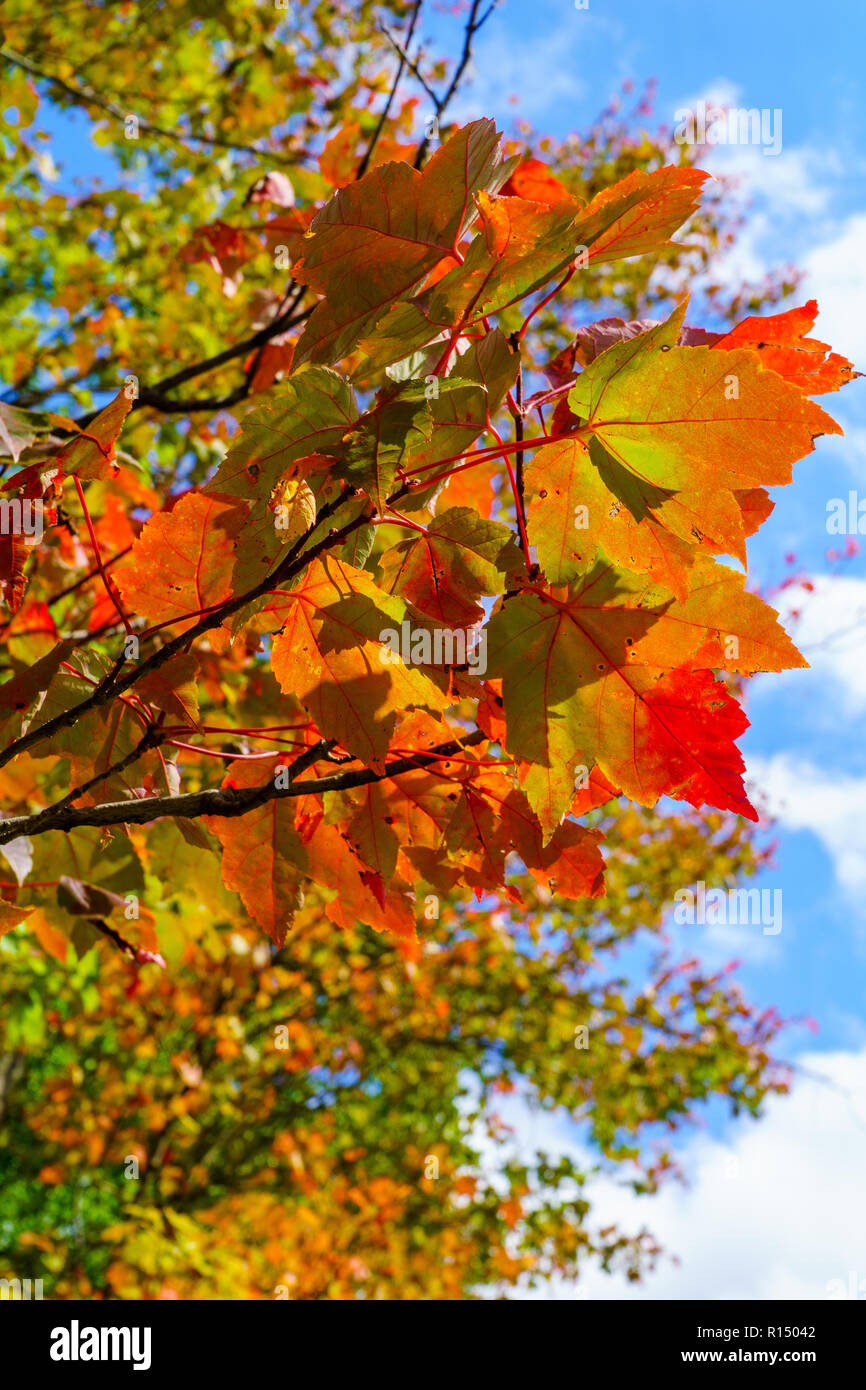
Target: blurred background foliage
[{"x": 335, "y": 1120}]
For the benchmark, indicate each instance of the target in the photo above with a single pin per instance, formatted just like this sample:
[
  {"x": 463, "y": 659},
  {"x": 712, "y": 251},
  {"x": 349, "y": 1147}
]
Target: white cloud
[
  {"x": 807, "y": 790},
  {"x": 782, "y": 194},
  {"x": 745, "y": 941},
  {"x": 830, "y": 631},
  {"x": 832, "y": 806},
  {"x": 788, "y": 184},
  {"x": 852, "y": 449},
  {"x": 721, "y": 91},
  {"x": 775, "y": 1213},
  {"x": 834, "y": 276}
]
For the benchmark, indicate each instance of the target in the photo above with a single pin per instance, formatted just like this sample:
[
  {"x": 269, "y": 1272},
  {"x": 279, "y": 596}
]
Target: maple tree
[{"x": 432, "y": 574}]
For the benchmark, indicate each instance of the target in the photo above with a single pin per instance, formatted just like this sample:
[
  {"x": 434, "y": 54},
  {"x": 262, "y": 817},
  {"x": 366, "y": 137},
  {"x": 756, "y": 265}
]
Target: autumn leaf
[
  {"x": 779, "y": 338},
  {"x": 294, "y": 509},
  {"x": 225, "y": 249},
  {"x": 273, "y": 187},
  {"x": 276, "y": 359},
  {"x": 720, "y": 625},
  {"x": 95, "y": 742},
  {"x": 54, "y": 942},
  {"x": 173, "y": 688},
  {"x": 355, "y": 896},
  {"x": 24, "y": 688},
  {"x": 639, "y": 213},
  {"x": 589, "y": 342},
  {"x": 340, "y": 157},
  {"x": 533, "y": 180},
  {"x": 310, "y": 415},
  {"x": 416, "y": 806},
  {"x": 14, "y": 552},
  {"x": 676, "y": 430},
  {"x": 19, "y": 429},
  {"x": 91, "y": 453},
  {"x": 784, "y": 347},
  {"x": 182, "y": 562},
  {"x": 445, "y": 571},
  {"x": 573, "y": 517},
  {"x": 263, "y": 857},
  {"x": 11, "y": 915},
  {"x": 585, "y": 676},
  {"x": 567, "y": 861},
  {"x": 382, "y": 442},
  {"x": 459, "y": 405},
  {"x": 331, "y": 653},
  {"x": 369, "y": 829},
  {"x": 519, "y": 247},
  {"x": 376, "y": 240}
]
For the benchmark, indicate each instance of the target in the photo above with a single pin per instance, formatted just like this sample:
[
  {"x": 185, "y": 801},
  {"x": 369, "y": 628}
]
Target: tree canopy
[{"x": 366, "y": 493}]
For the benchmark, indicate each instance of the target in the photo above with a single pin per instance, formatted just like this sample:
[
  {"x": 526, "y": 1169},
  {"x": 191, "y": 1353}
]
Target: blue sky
[{"x": 773, "y": 1210}]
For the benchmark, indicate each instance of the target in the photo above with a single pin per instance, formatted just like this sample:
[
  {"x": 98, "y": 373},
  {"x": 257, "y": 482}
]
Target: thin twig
[
  {"x": 155, "y": 395},
  {"x": 473, "y": 24},
  {"x": 412, "y": 65},
  {"x": 91, "y": 574},
  {"x": 97, "y": 555},
  {"x": 374, "y": 139},
  {"x": 518, "y": 431}
]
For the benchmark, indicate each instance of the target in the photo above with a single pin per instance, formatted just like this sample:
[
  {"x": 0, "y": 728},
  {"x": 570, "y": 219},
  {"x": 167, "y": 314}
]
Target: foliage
[
  {"x": 364, "y": 638},
  {"x": 331, "y": 1120}
]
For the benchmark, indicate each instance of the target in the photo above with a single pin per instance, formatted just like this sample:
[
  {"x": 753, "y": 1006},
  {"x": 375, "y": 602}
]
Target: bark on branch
[{"x": 225, "y": 801}]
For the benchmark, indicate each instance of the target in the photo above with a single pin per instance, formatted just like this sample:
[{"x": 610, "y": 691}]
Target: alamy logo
[
  {"x": 17, "y": 1289},
  {"x": 443, "y": 646},
  {"x": 712, "y": 907},
  {"x": 854, "y": 1288},
  {"x": 76, "y": 1343},
  {"x": 729, "y": 125},
  {"x": 22, "y": 518},
  {"x": 847, "y": 518}
]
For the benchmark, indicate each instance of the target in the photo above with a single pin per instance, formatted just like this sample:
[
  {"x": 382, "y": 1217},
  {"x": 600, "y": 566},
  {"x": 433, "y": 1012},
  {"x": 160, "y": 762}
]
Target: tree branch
[
  {"x": 91, "y": 574},
  {"x": 11, "y": 1067},
  {"x": 151, "y": 738},
  {"x": 226, "y": 802},
  {"x": 155, "y": 396},
  {"x": 293, "y": 563},
  {"x": 518, "y": 428},
  {"x": 473, "y": 24}
]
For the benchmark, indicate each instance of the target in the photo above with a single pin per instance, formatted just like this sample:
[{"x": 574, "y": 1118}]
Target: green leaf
[{"x": 310, "y": 415}]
